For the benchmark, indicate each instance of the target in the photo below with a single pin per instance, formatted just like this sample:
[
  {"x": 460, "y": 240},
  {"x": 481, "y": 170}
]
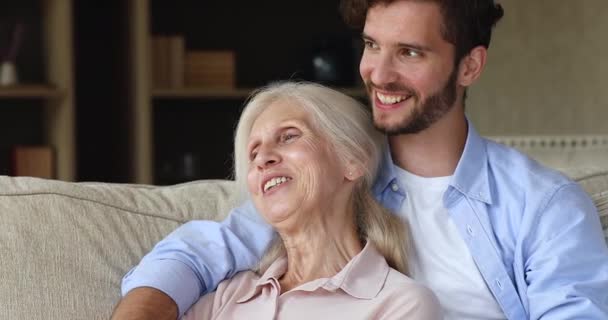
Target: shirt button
[
  {"x": 469, "y": 229},
  {"x": 498, "y": 284},
  {"x": 394, "y": 187}
]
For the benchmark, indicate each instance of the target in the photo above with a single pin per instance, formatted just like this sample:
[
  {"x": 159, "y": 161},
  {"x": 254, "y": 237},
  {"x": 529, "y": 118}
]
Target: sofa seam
[{"x": 130, "y": 210}]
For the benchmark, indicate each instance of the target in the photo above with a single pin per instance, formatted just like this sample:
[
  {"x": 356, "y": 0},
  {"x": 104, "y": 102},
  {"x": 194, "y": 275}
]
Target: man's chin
[
  {"x": 389, "y": 129},
  {"x": 400, "y": 128}
]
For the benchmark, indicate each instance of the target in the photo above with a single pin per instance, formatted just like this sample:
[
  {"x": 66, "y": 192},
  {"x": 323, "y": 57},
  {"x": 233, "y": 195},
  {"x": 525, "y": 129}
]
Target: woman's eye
[
  {"x": 286, "y": 137},
  {"x": 252, "y": 155}
]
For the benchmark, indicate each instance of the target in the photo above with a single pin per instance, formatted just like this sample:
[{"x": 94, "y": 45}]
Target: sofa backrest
[{"x": 66, "y": 246}]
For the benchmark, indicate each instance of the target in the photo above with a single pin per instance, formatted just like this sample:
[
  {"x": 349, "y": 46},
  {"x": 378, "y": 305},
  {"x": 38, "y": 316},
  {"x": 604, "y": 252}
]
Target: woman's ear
[
  {"x": 472, "y": 65},
  {"x": 353, "y": 172}
]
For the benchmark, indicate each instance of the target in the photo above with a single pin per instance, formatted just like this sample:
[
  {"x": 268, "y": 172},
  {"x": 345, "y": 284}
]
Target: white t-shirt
[{"x": 440, "y": 258}]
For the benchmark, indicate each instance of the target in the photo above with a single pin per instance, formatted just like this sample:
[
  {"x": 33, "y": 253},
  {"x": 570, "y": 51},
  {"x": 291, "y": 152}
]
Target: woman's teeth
[
  {"x": 388, "y": 99},
  {"x": 275, "y": 182}
]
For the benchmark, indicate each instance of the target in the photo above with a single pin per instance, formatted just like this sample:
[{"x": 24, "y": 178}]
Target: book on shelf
[
  {"x": 33, "y": 161},
  {"x": 210, "y": 69},
  {"x": 167, "y": 59}
]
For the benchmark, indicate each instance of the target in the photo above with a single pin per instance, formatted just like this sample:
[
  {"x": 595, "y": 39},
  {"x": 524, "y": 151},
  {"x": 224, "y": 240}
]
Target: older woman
[{"x": 306, "y": 156}]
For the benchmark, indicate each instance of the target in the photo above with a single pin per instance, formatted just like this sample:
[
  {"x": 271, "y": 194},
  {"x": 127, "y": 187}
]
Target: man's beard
[{"x": 425, "y": 113}]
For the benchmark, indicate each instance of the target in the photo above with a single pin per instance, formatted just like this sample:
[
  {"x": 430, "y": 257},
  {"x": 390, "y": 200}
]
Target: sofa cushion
[
  {"x": 601, "y": 201},
  {"x": 595, "y": 181},
  {"x": 66, "y": 246}
]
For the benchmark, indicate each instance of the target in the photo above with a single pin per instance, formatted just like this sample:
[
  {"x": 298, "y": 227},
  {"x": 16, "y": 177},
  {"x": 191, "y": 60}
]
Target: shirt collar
[
  {"x": 270, "y": 278},
  {"x": 387, "y": 173},
  {"x": 363, "y": 277},
  {"x": 470, "y": 177}
]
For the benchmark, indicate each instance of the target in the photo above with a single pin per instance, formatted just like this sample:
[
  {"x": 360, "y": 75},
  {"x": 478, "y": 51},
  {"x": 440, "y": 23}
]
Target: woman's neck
[{"x": 320, "y": 250}]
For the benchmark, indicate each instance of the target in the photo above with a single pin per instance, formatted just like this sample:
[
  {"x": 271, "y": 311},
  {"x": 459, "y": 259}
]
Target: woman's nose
[{"x": 267, "y": 157}]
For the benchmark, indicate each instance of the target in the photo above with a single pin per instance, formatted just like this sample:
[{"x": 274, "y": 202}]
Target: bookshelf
[
  {"x": 53, "y": 95},
  {"x": 163, "y": 116},
  {"x": 30, "y": 91},
  {"x": 240, "y": 93}
]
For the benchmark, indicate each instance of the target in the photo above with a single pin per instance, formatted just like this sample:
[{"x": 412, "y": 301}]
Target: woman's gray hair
[{"x": 348, "y": 127}]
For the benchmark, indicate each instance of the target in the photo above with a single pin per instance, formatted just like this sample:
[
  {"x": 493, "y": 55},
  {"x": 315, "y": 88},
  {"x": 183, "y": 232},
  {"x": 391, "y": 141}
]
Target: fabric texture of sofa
[{"x": 65, "y": 246}]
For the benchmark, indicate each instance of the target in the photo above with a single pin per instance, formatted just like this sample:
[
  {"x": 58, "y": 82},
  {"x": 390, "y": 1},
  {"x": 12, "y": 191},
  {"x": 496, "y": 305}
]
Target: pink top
[{"x": 367, "y": 288}]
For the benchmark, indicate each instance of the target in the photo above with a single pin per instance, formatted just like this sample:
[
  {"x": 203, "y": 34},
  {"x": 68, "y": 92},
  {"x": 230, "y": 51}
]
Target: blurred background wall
[{"x": 547, "y": 70}]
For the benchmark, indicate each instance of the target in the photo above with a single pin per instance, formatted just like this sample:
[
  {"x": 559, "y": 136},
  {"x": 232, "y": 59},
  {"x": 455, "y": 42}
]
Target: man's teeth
[
  {"x": 386, "y": 99},
  {"x": 275, "y": 182}
]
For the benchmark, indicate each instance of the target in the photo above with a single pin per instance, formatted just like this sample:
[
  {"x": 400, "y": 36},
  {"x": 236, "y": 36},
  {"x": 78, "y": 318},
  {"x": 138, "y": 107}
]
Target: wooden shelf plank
[
  {"x": 238, "y": 93},
  {"x": 201, "y": 93},
  {"x": 29, "y": 91}
]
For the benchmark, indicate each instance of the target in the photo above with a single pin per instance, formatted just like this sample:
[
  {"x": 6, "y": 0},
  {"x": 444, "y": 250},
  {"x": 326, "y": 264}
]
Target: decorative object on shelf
[
  {"x": 8, "y": 74},
  {"x": 332, "y": 62},
  {"x": 210, "y": 69},
  {"x": 8, "y": 69},
  {"x": 184, "y": 167}
]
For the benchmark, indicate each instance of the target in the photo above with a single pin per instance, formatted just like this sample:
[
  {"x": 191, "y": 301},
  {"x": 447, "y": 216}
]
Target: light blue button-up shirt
[{"x": 534, "y": 234}]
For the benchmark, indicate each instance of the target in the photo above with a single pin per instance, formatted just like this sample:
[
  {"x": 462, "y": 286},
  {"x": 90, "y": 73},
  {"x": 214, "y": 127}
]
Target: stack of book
[
  {"x": 174, "y": 67},
  {"x": 210, "y": 69},
  {"x": 168, "y": 61},
  {"x": 33, "y": 161}
]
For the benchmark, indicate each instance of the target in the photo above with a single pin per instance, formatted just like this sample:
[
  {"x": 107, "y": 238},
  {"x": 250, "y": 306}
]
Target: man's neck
[{"x": 435, "y": 151}]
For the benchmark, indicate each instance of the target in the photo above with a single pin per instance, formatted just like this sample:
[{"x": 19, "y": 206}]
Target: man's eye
[
  {"x": 369, "y": 44},
  {"x": 412, "y": 53},
  {"x": 253, "y": 155}
]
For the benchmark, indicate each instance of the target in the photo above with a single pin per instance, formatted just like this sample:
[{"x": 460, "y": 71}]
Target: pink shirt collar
[{"x": 363, "y": 276}]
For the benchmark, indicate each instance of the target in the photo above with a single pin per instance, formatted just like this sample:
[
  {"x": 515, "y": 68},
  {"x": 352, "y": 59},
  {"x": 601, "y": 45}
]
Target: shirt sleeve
[
  {"x": 567, "y": 259},
  {"x": 194, "y": 258}
]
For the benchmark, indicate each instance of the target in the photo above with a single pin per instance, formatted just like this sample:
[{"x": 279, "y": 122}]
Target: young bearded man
[{"x": 496, "y": 235}]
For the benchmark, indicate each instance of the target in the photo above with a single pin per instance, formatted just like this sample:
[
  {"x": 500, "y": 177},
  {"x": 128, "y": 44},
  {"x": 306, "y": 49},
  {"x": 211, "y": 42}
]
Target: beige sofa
[{"x": 65, "y": 246}]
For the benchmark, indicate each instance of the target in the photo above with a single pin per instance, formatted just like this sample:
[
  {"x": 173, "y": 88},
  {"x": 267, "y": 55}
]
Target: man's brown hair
[{"x": 466, "y": 23}]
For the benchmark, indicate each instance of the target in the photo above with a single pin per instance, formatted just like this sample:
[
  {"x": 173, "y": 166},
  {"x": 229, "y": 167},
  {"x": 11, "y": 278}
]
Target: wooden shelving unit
[
  {"x": 30, "y": 91},
  {"x": 58, "y": 44},
  {"x": 143, "y": 97},
  {"x": 58, "y": 95},
  {"x": 227, "y": 93}
]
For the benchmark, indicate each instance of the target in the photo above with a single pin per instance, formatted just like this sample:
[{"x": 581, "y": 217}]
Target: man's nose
[{"x": 383, "y": 70}]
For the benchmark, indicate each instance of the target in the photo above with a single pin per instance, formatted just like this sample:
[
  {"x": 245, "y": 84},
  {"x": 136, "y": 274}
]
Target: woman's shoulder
[
  {"x": 228, "y": 292},
  {"x": 408, "y": 297},
  {"x": 241, "y": 282}
]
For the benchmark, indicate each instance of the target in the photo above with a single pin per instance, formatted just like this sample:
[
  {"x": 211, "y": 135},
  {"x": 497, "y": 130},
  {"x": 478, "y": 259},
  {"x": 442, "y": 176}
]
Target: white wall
[{"x": 547, "y": 70}]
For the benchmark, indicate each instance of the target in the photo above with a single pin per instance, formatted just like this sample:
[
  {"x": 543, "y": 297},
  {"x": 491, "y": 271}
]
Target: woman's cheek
[{"x": 252, "y": 183}]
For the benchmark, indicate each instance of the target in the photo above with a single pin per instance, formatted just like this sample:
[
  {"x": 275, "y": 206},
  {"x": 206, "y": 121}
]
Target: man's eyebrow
[{"x": 413, "y": 46}]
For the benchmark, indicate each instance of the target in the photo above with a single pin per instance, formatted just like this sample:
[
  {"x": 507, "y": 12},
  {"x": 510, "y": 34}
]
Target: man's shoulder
[{"x": 508, "y": 165}]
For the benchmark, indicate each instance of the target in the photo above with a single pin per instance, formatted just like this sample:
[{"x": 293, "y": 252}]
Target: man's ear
[{"x": 472, "y": 65}]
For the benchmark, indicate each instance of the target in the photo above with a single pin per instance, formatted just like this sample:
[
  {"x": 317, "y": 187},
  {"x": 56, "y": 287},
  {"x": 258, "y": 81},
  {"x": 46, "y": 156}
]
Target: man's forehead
[{"x": 414, "y": 19}]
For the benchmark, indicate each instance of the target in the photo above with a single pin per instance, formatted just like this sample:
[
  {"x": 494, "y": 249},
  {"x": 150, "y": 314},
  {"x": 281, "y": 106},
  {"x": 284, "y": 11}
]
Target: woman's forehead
[{"x": 280, "y": 112}]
